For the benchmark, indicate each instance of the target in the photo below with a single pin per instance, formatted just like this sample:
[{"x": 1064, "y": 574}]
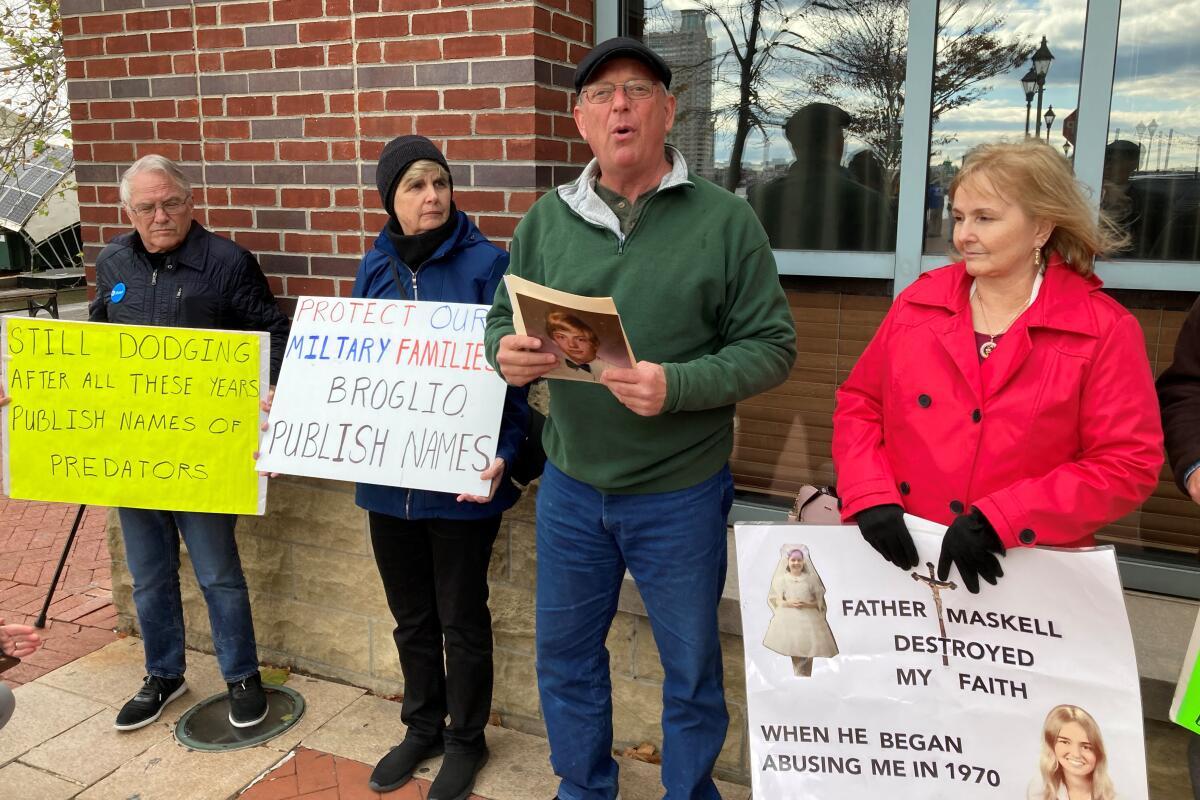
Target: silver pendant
[{"x": 986, "y": 348}]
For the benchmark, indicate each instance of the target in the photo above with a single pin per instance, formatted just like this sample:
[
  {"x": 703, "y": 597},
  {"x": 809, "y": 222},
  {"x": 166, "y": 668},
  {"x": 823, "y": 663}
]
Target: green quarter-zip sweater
[{"x": 697, "y": 289}]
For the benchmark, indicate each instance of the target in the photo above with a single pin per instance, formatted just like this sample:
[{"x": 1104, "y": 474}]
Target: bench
[{"x": 34, "y": 300}]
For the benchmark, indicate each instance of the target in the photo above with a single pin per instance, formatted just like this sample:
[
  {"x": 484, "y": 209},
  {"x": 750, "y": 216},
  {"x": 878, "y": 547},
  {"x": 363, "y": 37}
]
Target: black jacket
[
  {"x": 207, "y": 282},
  {"x": 1179, "y": 396}
]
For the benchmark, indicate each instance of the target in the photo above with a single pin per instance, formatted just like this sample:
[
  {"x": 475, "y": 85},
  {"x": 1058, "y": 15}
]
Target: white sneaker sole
[
  {"x": 175, "y": 695},
  {"x": 250, "y": 723}
]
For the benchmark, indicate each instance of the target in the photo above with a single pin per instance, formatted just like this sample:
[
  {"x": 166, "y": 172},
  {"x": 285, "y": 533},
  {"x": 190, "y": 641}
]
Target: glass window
[
  {"x": 1002, "y": 71},
  {"x": 774, "y": 105},
  {"x": 1152, "y": 158},
  {"x": 631, "y": 17}
]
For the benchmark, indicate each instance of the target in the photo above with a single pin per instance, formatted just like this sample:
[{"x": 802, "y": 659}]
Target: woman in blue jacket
[{"x": 433, "y": 548}]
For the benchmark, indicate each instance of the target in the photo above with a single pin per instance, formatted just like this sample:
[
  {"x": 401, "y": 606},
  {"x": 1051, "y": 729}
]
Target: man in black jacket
[
  {"x": 1179, "y": 396},
  {"x": 171, "y": 271}
]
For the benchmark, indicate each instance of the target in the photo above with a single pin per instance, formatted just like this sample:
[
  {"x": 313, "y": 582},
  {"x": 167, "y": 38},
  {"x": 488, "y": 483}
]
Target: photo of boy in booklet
[{"x": 585, "y": 333}]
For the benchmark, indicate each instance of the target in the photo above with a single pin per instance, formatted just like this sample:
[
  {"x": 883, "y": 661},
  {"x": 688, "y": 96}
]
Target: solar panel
[
  {"x": 43, "y": 181},
  {"x": 24, "y": 207},
  {"x": 23, "y": 190}
]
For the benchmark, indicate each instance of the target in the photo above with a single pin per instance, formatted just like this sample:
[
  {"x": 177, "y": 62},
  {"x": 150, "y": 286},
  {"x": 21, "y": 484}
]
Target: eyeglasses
[
  {"x": 600, "y": 93},
  {"x": 172, "y": 207}
]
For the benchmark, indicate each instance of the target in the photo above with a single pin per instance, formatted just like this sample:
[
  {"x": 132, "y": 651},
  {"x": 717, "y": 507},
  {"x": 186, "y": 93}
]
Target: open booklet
[{"x": 585, "y": 333}]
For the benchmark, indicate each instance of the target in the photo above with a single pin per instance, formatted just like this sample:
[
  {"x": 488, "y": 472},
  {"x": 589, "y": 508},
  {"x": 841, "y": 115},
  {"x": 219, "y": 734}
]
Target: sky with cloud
[{"x": 1157, "y": 78}]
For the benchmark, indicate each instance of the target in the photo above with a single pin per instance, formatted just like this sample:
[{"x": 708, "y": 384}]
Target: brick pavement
[
  {"x": 82, "y": 617},
  {"x": 313, "y": 775}
]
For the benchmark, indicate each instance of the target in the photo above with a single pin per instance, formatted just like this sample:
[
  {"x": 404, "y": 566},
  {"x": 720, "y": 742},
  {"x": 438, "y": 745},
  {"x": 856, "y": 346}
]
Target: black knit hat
[
  {"x": 621, "y": 47},
  {"x": 395, "y": 160}
]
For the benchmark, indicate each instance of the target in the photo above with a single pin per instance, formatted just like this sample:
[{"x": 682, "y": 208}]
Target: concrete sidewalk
[{"x": 61, "y": 744}]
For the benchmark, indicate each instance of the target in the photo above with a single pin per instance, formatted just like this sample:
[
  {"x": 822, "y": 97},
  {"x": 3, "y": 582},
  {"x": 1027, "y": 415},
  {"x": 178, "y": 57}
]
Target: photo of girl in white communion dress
[{"x": 798, "y": 626}]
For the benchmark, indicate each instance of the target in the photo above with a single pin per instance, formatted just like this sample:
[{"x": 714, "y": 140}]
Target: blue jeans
[
  {"x": 674, "y": 545},
  {"x": 152, "y": 552}
]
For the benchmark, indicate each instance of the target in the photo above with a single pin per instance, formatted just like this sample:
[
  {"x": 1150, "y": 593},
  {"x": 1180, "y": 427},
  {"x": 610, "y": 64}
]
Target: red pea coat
[{"x": 1052, "y": 437}]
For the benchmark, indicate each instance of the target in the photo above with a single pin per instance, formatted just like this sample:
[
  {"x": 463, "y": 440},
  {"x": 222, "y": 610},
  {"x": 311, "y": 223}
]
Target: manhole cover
[{"x": 205, "y": 726}]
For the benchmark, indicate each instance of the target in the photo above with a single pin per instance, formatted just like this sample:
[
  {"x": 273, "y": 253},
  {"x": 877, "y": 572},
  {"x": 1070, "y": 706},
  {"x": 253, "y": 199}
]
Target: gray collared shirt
[{"x": 627, "y": 213}]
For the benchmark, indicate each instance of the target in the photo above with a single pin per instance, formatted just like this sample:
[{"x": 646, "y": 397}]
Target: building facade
[{"x": 689, "y": 53}]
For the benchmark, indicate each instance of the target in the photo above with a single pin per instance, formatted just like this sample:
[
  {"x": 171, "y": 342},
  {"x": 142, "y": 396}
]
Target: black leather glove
[
  {"x": 971, "y": 544},
  {"x": 884, "y": 529}
]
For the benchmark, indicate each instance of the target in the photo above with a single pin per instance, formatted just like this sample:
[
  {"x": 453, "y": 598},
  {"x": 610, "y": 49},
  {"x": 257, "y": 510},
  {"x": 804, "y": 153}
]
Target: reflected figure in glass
[{"x": 817, "y": 205}]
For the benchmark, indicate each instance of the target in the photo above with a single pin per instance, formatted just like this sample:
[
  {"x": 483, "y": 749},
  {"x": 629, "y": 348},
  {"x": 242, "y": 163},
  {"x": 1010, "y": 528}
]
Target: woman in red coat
[{"x": 1005, "y": 396}]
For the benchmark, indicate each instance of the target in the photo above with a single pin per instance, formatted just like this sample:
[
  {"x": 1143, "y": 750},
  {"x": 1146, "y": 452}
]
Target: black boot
[
  {"x": 395, "y": 768},
  {"x": 456, "y": 778}
]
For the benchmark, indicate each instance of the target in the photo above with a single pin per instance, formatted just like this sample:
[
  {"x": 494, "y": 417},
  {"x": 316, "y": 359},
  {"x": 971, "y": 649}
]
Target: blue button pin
[{"x": 118, "y": 293}]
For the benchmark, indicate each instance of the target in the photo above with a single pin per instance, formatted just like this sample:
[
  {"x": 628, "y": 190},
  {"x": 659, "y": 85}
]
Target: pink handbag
[{"x": 816, "y": 505}]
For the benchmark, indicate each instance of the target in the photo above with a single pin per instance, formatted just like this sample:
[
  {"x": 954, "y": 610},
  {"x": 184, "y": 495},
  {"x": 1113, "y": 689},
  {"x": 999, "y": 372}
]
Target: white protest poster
[
  {"x": 866, "y": 681},
  {"x": 391, "y": 392}
]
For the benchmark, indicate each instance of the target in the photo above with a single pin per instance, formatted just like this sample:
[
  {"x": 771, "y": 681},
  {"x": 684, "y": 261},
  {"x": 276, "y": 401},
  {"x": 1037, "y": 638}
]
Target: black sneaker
[
  {"x": 147, "y": 705},
  {"x": 456, "y": 778},
  {"x": 395, "y": 768},
  {"x": 247, "y": 702}
]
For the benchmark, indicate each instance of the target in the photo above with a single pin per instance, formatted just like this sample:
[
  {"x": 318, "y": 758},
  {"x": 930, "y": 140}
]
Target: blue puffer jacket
[{"x": 465, "y": 269}]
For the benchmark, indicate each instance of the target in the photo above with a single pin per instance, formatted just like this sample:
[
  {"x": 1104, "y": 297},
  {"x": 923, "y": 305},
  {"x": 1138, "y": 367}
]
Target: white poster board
[
  {"x": 912, "y": 707},
  {"x": 391, "y": 392}
]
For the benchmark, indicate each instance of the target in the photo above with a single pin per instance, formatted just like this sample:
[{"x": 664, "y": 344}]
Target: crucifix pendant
[{"x": 987, "y": 347}]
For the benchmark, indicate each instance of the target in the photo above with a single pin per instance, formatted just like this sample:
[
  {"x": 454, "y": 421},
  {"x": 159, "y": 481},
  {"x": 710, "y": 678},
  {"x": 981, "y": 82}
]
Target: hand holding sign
[
  {"x": 494, "y": 473},
  {"x": 971, "y": 544},
  {"x": 264, "y": 405}
]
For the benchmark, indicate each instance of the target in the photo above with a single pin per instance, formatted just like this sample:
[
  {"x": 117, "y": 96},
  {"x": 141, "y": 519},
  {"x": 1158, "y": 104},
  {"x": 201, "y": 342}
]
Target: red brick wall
[{"x": 278, "y": 110}]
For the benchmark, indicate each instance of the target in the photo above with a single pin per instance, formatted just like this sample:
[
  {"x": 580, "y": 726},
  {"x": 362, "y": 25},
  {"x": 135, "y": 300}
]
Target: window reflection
[
  {"x": 774, "y": 106},
  {"x": 1003, "y": 69},
  {"x": 851, "y": 215},
  {"x": 1152, "y": 159},
  {"x": 689, "y": 52}
]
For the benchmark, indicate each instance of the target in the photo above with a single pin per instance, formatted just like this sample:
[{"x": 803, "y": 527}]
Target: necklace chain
[{"x": 987, "y": 347}]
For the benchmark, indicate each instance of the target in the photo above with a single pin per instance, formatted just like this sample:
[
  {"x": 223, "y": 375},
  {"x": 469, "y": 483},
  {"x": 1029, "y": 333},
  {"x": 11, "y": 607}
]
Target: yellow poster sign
[{"x": 130, "y": 415}]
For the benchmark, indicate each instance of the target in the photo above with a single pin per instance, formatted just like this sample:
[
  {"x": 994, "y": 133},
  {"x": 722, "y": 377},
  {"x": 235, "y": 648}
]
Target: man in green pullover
[{"x": 637, "y": 474}]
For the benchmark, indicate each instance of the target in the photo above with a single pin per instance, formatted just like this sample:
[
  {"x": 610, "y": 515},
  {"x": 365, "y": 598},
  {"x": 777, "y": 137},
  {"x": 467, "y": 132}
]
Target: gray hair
[{"x": 154, "y": 163}]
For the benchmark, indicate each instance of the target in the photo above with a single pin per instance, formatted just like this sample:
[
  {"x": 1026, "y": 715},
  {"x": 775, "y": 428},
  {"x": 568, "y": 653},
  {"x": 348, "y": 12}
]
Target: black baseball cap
[{"x": 621, "y": 47}]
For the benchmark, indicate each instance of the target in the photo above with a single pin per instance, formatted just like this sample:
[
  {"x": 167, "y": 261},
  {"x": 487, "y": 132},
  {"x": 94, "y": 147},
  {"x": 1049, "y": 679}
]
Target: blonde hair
[
  {"x": 559, "y": 320},
  {"x": 1037, "y": 178},
  {"x": 1102, "y": 787},
  {"x": 420, "y": 168}
]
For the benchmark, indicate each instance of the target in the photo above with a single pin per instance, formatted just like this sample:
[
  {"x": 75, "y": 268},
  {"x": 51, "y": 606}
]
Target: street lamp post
[
  {"x": 1029, "y": 84},
  {"x": 1041, "y": 66},
  {"x": 1150, "y": 129},
  {"x": 1141, "y": 131},
  {"x": 1049, "y": 121}
]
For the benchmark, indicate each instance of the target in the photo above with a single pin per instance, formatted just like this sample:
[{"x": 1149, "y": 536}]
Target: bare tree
[
  {"x": 864, "y": 46},
  {"x": 34, "y": 73},
  {"x": 758, "y": 66}
]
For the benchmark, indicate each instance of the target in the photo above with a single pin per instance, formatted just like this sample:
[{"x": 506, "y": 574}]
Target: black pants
[{"x": 434, "y": 572}]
